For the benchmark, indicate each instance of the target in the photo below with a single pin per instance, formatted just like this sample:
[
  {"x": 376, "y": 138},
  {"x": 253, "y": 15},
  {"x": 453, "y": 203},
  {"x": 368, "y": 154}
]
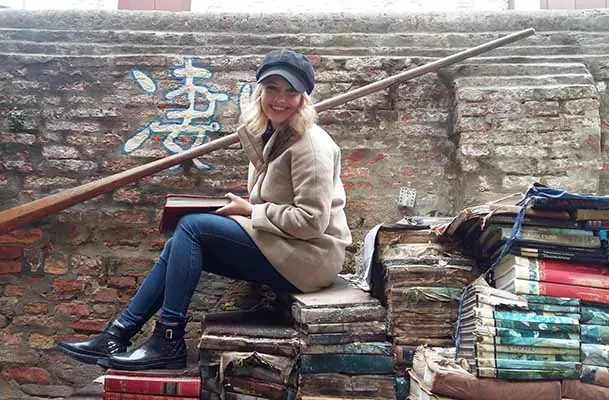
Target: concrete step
[
  {"x": 536, "y": 80},
  {"x": 526, "y": 93},
  {"x": 448, "y": 40},
  {"x": 512, "y": 69},
  {"x": 464, "y": 22},
  {"x": 13, "y": 46}
]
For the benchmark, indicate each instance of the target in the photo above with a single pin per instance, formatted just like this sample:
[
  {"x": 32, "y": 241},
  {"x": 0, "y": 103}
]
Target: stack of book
[
  {"x": 503, "y": 335},
  {"x": 435, "y": 376},
  {"x": 248, "y": 353},
  {"x": 344, "y": 349},
  {"x": 151, "y": 385},
  {"x": 595, "y": 344},
  {"x": 422, "y": 279}
]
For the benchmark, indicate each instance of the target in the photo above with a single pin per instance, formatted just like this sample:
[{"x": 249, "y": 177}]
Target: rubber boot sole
[
  {"x": 179, "y": 363},
  {"x": 85, "y": 358}
]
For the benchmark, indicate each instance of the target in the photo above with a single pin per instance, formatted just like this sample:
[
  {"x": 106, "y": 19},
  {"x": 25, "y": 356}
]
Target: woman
[{"x": 291, "y": 234}]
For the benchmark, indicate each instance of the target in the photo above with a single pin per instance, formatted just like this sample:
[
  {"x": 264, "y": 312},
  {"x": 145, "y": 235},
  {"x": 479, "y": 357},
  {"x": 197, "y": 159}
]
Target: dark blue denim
[{"x": 201, "y": 242}]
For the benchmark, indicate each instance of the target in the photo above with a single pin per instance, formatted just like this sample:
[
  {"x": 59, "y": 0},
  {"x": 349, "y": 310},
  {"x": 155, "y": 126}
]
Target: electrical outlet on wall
[{"x": 407, "y": 198}]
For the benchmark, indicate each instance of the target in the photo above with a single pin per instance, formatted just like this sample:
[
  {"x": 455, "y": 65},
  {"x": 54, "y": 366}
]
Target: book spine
[
  {"x": 141, "y": 396},
  {"x": 536, "y": 334},
  {"x": 569, "y": 203},
  {"x": 596, "y": 334},
  {"x": 556, "y": 254},
  {"x": 557, "y": 289},
  {"x": 595, "y": 354},
  {"x": 591, "y": 242},
  {"x": 187, "y": 387},
  {"x": 524, "y": 374},
  {"x": 565, "y": 273},
  {"x": 595, "y": 375},
  {"x": 595, "y": 224},
  {"x": 346, "y": 363},
  {"x": 595, "y": 315},
  {"x": 380, "y": 348},
  {"x": 528, "y": 350},
  {"x": 536, "y": 326},
  {"x": 558, "y": 356},
  {"x": 530, "y": 341},
  {"x": 559, "y": 301},
  {"x": 537, "y": 316},
  {"x": 558, "y": 366}
]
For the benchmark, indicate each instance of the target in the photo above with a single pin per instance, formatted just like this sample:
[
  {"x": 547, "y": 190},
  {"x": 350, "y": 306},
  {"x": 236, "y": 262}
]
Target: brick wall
[{"x": 87, "y": 95}]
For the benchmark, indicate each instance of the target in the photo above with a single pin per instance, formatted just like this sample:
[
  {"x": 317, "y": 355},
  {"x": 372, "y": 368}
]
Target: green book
[
  {"x": 561, "y": 301},
  {"x": 594, "y": 315},
  {"x": 346, "y": 364},
  {"x": 597, "y": 334},
  {"x": 595, "y": 354},
  {"x": 526, "y": 374},
  {"x": 530, "y": 341},
  {"x": 558, "y": 366}
]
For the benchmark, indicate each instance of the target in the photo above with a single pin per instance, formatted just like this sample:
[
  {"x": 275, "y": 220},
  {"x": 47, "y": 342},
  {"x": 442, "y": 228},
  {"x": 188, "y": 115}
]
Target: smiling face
[{"x": 279, "y": 99}]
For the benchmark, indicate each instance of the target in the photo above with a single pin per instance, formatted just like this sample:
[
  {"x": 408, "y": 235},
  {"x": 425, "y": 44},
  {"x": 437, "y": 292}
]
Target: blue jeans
[{"x": 201, "y": 242}]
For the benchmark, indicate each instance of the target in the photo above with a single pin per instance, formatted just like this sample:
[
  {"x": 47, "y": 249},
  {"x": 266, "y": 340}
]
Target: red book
[
  {"x": 139, "y": 396},
  {"x": 153, "y": 385},
  {"x": 544, "y": 270},
  {"x": 586, "y": 293},
  {"x": 178, "y": 205}
]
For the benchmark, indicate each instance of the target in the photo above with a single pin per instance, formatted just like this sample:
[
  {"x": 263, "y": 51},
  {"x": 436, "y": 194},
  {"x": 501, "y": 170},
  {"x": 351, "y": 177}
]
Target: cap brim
[{"x": 292, "y": 79}]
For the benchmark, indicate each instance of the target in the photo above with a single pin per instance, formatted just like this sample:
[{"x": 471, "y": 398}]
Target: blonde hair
[{"x": 255, "y": 121}]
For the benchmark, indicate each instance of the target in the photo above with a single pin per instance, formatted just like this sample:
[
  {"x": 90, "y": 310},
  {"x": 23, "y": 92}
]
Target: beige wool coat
[{"x": 298, "y": 219}]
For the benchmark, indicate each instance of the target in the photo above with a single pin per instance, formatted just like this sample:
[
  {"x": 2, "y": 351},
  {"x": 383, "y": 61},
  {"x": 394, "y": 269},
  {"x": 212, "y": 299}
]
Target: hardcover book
[
  {"x": 153, "y": 385},
  {"x": 178, "y": 205},
  {"x": 523, "y": 286},
  {"x": 570, "y": 273}
]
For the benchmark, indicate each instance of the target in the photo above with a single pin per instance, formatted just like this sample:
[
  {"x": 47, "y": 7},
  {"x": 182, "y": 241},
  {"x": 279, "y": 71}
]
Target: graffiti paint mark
[
  {"x": 145, "y": 82},
  {"x": 192, "y": 123}
]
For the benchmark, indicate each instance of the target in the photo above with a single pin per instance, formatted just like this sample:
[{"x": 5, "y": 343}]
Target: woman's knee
[{"x": 198, "y": 223}]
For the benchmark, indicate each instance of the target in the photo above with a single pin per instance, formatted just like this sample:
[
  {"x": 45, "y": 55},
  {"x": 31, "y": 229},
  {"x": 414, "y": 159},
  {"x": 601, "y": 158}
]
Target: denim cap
[{"x": 293, "y": 67}]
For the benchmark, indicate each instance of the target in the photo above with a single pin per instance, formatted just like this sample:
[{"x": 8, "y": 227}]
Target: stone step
[
  {"x": 538, "y": 80},
  {"x": 448, "y": 40},
  {"x": 11, "y": 46},
  {"x": 512, "y": 69},
  {"x": 526, "y": 93},
  {"x": 468, "y": 23}
]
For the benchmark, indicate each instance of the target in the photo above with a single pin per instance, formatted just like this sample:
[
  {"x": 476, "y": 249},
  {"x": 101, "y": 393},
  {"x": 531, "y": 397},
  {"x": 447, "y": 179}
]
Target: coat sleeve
[{"x": 313, "y": 178}]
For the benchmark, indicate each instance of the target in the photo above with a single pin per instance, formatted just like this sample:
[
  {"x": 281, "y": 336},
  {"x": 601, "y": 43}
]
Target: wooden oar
[{"x": 27, "y": 213}]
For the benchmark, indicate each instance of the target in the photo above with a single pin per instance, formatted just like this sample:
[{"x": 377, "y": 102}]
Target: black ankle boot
[
  {"x": 166, "y": 349},
  {"x": 114, "y": 339}
]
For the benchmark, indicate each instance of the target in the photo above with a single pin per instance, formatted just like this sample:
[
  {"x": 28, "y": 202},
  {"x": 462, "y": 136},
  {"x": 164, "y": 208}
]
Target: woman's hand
[{"x": 237, "y": 206}]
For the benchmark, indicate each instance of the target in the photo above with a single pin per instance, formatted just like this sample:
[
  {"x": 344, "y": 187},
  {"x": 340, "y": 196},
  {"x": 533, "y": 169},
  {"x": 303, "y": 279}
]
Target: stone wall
[{"x": 86, "y": 95}]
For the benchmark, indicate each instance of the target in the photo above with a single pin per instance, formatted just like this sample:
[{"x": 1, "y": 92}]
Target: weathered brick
[
  {"x": 46, "y": 323},
  {"x": 25, "y": 237},
  {"x": 13, "y": 291},
  {"x": 56, "y": 266},
  {"x": 53, "y": 391},
  {"x": 36, "y": 308},
  {"x": 9, "y": 339},
  {"x": 122, "y": 282},
  {"x": 38, "y": 341},
  {"x": 106, "y": 295},
  {"x": 60, "y": 152},
  {"x": 68, "y": 286},
  {"x": 10, "y": 252},
  {"x": 86, "y": 265},
  {"x": 89, "y": 326},
  {"x": 26, "y": 375},
  {"x": 77, "y": 309},
  {"x": 10, "y": 267},
  {"x": 44, "y": 183}
]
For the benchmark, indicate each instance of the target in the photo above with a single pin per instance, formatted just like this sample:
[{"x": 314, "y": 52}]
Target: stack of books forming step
[
  {"x": 422, "y": 279},
  {"x": 595, "y": 344},
  {"x": 248, "y": 354},
  {"x": 344, "y": 351},
  {"x": 503, "y": 335},
  {"x": 151, "y": 385}
]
